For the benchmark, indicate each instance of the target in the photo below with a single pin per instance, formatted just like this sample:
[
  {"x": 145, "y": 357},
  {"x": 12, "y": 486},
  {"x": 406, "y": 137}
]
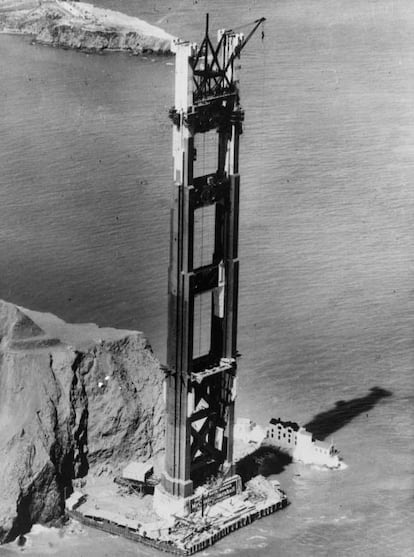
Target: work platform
[
  {"x": 208, "y": 521},
  {"x": 226, "y": 365}
]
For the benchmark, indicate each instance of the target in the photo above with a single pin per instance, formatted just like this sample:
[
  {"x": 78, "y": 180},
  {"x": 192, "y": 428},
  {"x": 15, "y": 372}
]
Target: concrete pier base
[
  {"x": 167, "y": 506},
  {"x": 215, "y": 513}
]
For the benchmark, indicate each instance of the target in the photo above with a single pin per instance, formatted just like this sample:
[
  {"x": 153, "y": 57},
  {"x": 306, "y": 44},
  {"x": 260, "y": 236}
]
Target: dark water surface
[{"x": 327, "y": 258}]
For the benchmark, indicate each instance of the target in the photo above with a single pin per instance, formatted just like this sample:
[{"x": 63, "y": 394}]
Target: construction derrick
[{"x": 201, "y": 387}]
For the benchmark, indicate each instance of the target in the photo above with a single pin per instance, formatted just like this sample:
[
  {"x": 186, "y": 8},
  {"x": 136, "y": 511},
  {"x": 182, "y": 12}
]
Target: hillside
[
  {"x": 82, "y": 26},
  {"x": 74, "y": 399}
]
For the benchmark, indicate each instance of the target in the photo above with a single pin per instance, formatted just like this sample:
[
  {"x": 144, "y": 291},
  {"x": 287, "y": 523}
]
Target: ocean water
[{"x": 326, "y": 238}]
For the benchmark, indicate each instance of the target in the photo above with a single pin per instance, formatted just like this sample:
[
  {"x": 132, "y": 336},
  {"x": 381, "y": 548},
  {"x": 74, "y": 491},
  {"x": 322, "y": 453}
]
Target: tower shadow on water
[{"x": 324, "y": 424}]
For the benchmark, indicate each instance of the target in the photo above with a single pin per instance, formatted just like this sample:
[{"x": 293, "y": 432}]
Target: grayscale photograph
[{"x": 206, "y": 278}]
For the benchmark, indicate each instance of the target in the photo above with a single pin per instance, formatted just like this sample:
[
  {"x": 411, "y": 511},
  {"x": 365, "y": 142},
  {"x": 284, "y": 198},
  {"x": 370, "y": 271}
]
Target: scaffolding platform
[{"x": 226, "y": 365}]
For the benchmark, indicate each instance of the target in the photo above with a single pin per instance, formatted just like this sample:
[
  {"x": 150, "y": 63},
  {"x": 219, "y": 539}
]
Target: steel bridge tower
[{"x": 201, "y": 387}]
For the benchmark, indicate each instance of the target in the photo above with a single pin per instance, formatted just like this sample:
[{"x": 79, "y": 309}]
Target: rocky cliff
[
  {"x": 82, "y": 26},
  {"x": 73, "y": 399}
]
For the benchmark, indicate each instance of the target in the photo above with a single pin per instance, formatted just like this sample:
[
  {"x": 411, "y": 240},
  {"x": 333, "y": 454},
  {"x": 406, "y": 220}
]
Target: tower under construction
[
  {"x": 204, "y": 267},
  {"x": 200, "y": 382}
]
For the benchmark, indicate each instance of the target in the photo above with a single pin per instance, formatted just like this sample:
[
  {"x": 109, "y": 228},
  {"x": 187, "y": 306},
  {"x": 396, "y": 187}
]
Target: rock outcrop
[
  {"x": 82, "y": 26},
  {"x": 73, "y": 399}
]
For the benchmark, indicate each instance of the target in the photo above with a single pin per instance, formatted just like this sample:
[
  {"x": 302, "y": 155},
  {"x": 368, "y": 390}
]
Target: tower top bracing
[{"x": 214, "y": 92}]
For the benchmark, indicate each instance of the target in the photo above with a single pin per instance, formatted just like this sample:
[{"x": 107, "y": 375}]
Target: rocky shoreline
[
  {"x": 75, "y": 400},
  {"x": 82, "y": 26}
]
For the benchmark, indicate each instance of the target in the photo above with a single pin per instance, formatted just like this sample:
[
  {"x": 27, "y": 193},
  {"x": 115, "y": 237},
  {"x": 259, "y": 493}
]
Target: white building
[
  {"x": 138, "y": 471},
  {"x": 248, "y": 432},
  {"x": 299, "y": 443}
]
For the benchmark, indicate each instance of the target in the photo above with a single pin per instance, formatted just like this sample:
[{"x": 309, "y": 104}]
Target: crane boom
[{"x": 257, "y": 22}]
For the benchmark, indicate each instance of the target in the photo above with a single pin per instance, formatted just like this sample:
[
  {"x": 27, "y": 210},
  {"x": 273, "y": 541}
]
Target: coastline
[{"x": 82, "y": 26}]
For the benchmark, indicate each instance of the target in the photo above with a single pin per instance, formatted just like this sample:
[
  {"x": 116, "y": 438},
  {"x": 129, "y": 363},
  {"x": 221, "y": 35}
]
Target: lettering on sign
[{"x": 227, "y": 489}]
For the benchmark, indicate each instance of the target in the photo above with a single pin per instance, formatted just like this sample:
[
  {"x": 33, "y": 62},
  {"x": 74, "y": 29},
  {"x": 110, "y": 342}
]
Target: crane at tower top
[
  {"x": 213, "y": 65},
  {"x": 213, "y": 88}
]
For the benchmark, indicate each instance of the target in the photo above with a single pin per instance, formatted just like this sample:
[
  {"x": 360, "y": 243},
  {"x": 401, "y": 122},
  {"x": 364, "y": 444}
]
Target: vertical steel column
[
  {"x": 231, "y": 235},
  {"x": 176, "y": 477}
]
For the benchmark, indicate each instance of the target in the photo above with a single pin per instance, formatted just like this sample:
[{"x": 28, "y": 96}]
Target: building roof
[
  {"x": 73, "y": 499},
  {"x": 138, "y": 470},
  {"x": 292, "y": 425},
  {"x": 305, "y": 433},
  {"x": 322, "y": 444}
]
